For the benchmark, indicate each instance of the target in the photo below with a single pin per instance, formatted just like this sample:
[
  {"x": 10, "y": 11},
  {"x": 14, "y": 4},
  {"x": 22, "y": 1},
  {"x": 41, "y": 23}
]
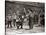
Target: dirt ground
[{"x": 13, "y": 31}]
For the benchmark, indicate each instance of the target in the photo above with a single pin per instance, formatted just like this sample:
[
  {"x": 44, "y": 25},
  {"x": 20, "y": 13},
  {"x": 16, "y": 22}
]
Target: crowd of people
[{"x": 19, "y": 20}]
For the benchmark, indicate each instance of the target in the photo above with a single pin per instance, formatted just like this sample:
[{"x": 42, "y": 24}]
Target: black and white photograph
[{"x": 24, "y": 17}]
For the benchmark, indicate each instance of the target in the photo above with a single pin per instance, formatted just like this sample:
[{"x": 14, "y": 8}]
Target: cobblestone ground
[{"x": 13, "y": 31}]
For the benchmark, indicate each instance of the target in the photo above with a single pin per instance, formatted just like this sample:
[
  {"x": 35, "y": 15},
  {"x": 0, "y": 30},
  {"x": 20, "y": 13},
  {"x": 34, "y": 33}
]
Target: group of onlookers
[{"x": 18, "y": 20}]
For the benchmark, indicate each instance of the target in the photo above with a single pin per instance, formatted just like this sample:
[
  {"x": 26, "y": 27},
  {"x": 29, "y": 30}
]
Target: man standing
[
  {"x": 9, "y": 20},
  {"x": 14, "y": 18},
  {"x": 30, "y": 22},
  {"x": 31, "y": 14}
]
